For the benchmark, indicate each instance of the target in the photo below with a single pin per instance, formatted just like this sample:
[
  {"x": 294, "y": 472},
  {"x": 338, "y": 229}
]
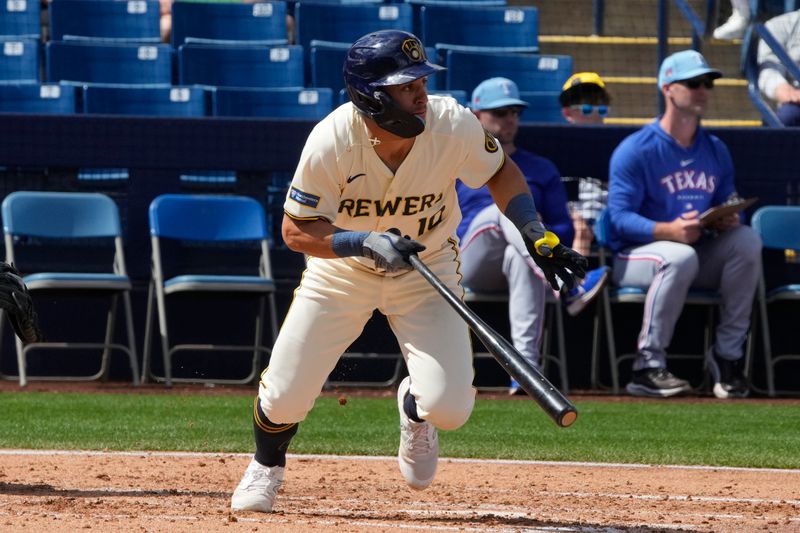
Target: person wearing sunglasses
[
  {"x": 493, "y": 256},
  {"x": 585, "y": 100},
  {"x": 660, "y": 179}
]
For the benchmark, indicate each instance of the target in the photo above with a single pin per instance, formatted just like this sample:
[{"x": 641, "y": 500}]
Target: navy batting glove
[
  {"x": 552, "y": 257},
  {"x": 390, "y": 251}
]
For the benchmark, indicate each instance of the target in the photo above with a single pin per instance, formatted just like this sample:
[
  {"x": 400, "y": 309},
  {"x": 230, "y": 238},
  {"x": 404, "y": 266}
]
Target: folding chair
[
  {"x": 288, "y": 102},
  {"x": 20, "y": 19},
  {"x": 778, "y": 227},
  {"x": 36, "y": 98},
  {"x": 241, "y": 65},
  {"x": 502, "y": 29},
  {"x": 258, "y": 23},
  {"x": 104, "y": 62},
  {"x": 19, "y": 60},
  {"x": 49, "y": 220},
  {"x": 554, "y": 320},
  {"x": 531, "y": 72},
  {"x": 132, "y": 20},
  {"x": 711, "y": 300},
  {"x": 228, "y": 223}
]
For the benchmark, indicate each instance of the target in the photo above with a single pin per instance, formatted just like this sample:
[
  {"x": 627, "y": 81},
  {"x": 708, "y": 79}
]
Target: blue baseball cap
[
  {"x": 495, "y": 93},
  {"x": 684, "y": 65}
]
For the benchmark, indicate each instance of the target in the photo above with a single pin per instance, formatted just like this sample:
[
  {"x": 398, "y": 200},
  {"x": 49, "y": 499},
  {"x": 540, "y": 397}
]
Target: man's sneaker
[
  {"x": 658, "y": 382},
  {"x": 419, "y": 445},
  {"x": 728, "y": 376},
  {"x": 258, "y": 488},
  {"x": 579, "y": 297},
  {"x": 733, "y": 28}
]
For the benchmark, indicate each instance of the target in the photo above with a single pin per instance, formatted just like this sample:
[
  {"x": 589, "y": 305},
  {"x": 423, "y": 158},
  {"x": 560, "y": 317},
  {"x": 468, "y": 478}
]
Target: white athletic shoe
[
  {"x": 419, "y": 446},
  {"x": 733, "y": 28},
  {"x": 258, "y": 488}
]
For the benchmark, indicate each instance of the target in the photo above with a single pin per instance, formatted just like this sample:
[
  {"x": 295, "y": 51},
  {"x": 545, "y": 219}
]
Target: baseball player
[
  {"x": 386, "y": 161},
  {"x": 660, "y": 179}
]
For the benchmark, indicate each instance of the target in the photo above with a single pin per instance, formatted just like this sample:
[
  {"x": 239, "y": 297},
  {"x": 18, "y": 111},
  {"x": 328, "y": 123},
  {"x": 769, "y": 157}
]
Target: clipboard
[{"x": 720, "y": 211}]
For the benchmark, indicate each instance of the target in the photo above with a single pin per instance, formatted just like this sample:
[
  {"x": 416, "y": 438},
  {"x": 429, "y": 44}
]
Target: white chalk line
[{"x": 300, "y": 457}]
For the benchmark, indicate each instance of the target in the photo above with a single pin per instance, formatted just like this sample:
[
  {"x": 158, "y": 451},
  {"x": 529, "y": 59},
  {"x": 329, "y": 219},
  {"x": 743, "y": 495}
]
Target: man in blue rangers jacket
[{"x": 660, "y": 179}]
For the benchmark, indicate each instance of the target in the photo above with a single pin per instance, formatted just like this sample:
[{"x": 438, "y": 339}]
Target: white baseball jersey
[{"x": 341, "y": 179}]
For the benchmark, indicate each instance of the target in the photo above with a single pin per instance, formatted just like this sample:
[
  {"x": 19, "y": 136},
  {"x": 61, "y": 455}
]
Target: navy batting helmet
[{"x": 379, "y": 59}]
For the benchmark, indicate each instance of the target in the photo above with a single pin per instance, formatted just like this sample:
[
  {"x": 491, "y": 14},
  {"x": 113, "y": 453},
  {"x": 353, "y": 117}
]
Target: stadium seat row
[
  {"x": 249, "y": 65},
  {"x": 198, "y": 101},
  {"x": 468, "y": 23}
]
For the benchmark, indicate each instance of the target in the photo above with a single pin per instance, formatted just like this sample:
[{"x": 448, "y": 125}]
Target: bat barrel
[{"x": 549, "y": 398}]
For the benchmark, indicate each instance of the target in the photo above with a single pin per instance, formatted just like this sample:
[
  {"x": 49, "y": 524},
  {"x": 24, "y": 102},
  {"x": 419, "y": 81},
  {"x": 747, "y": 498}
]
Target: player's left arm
[
  {"x": 726, "y": 189},
  {"x": 513, "y": 197}
]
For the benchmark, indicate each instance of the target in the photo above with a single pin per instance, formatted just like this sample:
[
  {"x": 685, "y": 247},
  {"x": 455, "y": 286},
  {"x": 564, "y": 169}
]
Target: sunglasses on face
[
  {"x": 695, "y": 83},
  {"x": 588, "y": 109},
  {"x": 505, "y": 111}
]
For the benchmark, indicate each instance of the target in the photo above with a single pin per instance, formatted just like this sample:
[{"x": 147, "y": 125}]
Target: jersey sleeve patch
[
  {"x": 303, "y": 198},
  {"x": 490, "y": 143}
]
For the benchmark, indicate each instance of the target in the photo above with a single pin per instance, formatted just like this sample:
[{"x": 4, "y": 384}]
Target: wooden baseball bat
[{"x": 549, "y": 398}]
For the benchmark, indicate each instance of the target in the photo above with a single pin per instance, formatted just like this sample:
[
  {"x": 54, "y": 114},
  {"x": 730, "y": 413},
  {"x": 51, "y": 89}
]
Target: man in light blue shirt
[{"x": 660, "y": 179}]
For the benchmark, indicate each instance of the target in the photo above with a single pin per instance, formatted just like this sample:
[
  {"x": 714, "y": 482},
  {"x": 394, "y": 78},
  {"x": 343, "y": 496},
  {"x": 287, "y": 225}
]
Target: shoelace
[
  {"x": 417, "y": 439},
  {"x": 259, "y": 480}
]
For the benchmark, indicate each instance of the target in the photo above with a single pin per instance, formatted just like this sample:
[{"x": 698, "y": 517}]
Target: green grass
[{"x": 730, "y": 434}]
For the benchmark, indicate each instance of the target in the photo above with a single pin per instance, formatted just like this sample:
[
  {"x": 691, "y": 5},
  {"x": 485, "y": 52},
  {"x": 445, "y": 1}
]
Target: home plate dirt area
[{"x": 175, "y": 492}]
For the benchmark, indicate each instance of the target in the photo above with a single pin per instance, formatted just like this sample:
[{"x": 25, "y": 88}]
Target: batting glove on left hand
[{"x": 552, "y": 257}]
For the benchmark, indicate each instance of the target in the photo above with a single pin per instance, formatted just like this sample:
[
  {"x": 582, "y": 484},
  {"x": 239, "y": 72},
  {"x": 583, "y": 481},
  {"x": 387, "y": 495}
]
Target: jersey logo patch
[
  {"x": 353, "y": 177},
  {"x": 303, "y": 198},
  {"x": 490, "y": 143}
]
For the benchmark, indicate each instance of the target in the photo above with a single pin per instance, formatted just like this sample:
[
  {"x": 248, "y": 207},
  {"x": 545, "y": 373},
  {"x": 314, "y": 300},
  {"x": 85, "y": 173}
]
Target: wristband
[
  {"x": 348, "y": 243},
  {"x": 521, "y": 210}
]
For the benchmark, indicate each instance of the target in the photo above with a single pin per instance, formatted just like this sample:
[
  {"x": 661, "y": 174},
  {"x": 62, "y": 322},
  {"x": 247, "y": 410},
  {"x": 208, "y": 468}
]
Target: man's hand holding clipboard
[{"x": 725, "y": 216}]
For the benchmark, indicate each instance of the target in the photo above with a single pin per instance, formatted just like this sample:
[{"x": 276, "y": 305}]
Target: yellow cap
[{"x": 584, "y": 77}]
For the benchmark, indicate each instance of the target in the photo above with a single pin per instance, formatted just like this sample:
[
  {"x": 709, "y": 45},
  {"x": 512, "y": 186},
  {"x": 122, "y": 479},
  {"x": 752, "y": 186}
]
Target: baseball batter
[
  {"x": 386, "y": 161},
  {"x": 660, "y": 179}
]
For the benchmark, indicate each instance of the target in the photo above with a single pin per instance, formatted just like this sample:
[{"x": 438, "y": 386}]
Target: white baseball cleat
[
  {"x": 258, "y": 488},
  {"x": 419, "y": 446}
]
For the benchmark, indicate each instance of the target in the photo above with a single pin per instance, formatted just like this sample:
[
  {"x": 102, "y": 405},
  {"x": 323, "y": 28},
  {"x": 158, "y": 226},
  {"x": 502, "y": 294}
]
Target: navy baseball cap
[
  {"x": 684, "y": 65},
  {"x": 495, "y": 93}
]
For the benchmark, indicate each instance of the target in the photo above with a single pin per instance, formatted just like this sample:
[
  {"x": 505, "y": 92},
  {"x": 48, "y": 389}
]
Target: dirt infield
[
  {"x": 73, "y": 491},
  {"x": 176, "y": 492}
]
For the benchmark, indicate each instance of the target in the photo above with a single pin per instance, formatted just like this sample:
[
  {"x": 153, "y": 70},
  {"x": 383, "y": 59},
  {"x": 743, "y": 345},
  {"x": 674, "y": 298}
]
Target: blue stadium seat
[
  {"x": 20, "y": 18},
  {"x": 531, "y": 72},
  {"x": 514, "y": 29},
  {"x": 19, "y": 60},
  {"x": 132, "y": 20},
  {"x": 262, "y": 23},
  {"x": 35, "y": 98},
  {"x": 311, "y": 104},
  {"x": 416, "y": 6},
  {"x": 326, "y": 59},
  {"x": 95, "y": 62},
  {"x": 345, "y": 23},
  {"x": 241, "y": 65},
  {"x": 166, "y": 101},
  {"x": 544, "y": 107}
]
